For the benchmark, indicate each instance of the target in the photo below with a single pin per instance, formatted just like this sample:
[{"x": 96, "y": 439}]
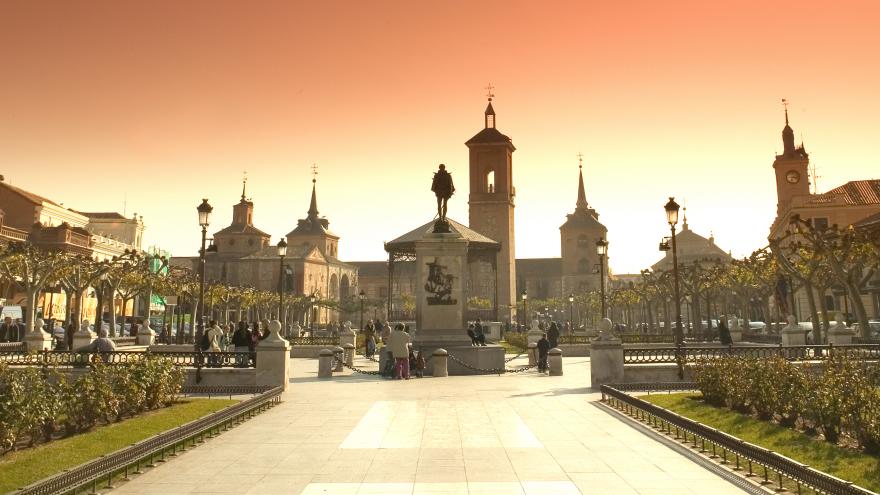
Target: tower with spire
[
  {"x": 792, "y": 168},
  {"x": 314, "y": 230},
  {"x": 490, "y": 203},
  {"x": 578, "y": 236},
  {"x": 241, "y": 237}
]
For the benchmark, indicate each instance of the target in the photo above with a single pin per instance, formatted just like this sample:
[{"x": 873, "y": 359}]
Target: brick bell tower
[{"x": 491, "y": 203}]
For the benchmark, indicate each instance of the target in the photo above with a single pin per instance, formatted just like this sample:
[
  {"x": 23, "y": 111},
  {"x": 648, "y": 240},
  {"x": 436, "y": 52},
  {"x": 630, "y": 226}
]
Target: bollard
[
  {"x": 554, "y": 360},
  {"x": 325, "y": 364},
  {"x": 439, "y": 363},
  {"x": 533, "y": 354},
  {"x": 348, "y": 353},
  {"x": 337, "y": 358}
]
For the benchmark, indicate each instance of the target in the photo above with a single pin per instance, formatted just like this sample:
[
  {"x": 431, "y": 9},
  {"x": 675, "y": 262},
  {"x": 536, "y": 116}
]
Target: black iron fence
[
  {"x": 190, "y": 359},
  {"x": 690, "y": 354},
  {"x": 99, "y": 474},
  {"x": 727, "y": 449}
]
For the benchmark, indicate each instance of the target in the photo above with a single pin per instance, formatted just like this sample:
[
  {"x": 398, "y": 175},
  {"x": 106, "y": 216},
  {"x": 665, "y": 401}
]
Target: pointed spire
[
  {"x": 787, "y": 133},
  {"x": 244, "y": 187},
  {"x": 684, "y": 224},
  {"x": 582, "y": 196},
  {"x": 313, "y": 206},
  {"x": 490, "y": 112}
]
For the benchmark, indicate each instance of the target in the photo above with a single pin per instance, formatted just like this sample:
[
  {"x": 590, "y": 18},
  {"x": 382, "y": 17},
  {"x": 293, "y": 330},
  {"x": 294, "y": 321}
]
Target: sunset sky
[{"x": 161, "y": 103}]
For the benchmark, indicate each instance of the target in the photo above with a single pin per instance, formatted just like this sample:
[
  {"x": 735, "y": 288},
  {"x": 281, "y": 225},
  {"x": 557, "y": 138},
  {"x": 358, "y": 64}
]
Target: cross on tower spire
[
  {"x": 580, "y": 160},
  {"x": 489, "y": 93},
  {"x": 244, "y": 185},
  {"x": 313, "y": 206},
  {"x": 582, "y": 195},
  {"x": 785, "y": 105}
]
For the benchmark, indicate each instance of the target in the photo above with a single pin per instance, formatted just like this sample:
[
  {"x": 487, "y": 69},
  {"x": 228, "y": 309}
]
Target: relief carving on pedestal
[{"x": 439, "y": 285}]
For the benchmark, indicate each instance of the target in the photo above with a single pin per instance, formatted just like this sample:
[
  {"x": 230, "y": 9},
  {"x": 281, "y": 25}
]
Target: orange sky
[{"x": 166, "y": 102}]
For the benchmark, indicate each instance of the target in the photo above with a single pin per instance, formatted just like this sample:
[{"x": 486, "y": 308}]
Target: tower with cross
[
  {"x": 792, "y": 167},
  {"x": 491, "y": 204},
  {"x": 577, "y": 237}
]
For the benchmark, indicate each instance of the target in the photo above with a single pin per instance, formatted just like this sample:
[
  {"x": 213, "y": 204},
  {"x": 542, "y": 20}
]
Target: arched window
[{"x": 490, "y": 181}]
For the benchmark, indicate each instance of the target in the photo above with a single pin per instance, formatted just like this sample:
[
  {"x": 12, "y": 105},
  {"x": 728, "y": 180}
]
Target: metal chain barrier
[
  {"x": 357, "y": 369},
  {"x": 493, "y": 371}
]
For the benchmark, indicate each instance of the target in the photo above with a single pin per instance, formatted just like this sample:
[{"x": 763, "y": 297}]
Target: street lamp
[
  {"x": 312, "y": 300},
  {"x": 525, "y": 300},
  {"x": 672, "y": 219},
  {"x": 570, "y": 317},
  {"x": 362, "y": 296},
  {"x": 602, "y": 251},
  {"x": 282, "y": 252},
  {"x": 204, "y": 210}
]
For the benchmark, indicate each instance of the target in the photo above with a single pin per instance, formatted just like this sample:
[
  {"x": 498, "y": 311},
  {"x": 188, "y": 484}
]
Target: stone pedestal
[
  {"x": 534, "y": 335},
  {"x": 554, "y": 361},
  {"x": 736, "y": 334},
  {"x": 273, "y": 362},
  {"x": 325, "y": 364},
  {"x": 533, "y": 354},
  {"x": 347, "y": 336},
  {"x": 146, "y": 335},
  {"x": 38, "y": 340},
  {"x": 438, "y": 359},
  {"x": 296, "y": 330},
  {"x": 839, "y": 334},
  {"x": 83, "y": 337},
  {"x": 606, "y": 357},
  {"x": 792, "y": 333},
  {"x": 441, "y": 303}
]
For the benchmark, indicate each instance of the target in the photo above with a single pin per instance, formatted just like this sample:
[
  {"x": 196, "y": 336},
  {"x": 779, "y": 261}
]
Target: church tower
[
  {"x": 792, "y": 169},
  {"x": 578, "y": 236},
  {"x": 491, "y": 203},
  {"x": 241, "y": 237},
  {"x": 314, "y": 230}
]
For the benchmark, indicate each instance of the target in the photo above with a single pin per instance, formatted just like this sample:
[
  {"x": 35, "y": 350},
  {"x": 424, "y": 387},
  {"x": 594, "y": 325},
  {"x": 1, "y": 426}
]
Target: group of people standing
[{"x": 398, "y": 343}]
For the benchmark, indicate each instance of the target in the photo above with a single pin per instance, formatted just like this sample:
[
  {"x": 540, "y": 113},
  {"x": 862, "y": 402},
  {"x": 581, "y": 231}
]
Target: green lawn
[
  {"x": 848, "y": 464},
  {"x": 21, "y": 468}
]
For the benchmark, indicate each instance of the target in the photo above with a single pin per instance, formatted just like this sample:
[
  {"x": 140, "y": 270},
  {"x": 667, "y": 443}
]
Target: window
[
  {"x": 583, "y": 242},
  {"x": 490, "y": 181}
]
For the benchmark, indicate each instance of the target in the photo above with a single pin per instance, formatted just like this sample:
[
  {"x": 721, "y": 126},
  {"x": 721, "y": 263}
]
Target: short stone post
[
  {"x": 337, "y": 358},
  {"x": 554, "y": 360},
  {"x": 348, "y": 354},
  {"x": 839, "y": 334},
  {"x": 606, "y": 357},
  {"x": 533, "y": 354},
  {"x": 792, "y": 334},
  {"x": 325, "y": 364},
  {"x": 83, "y": 337},
  {"x": 146, "y": 335},
  {"x": 273, "y": 361},
  {"x": 38, "y": 340},
  {"x": 439, "y": 363}
]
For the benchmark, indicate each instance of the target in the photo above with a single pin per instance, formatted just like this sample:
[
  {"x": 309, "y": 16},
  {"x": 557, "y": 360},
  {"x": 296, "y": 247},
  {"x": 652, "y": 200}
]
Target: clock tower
[
  {"x": 792, "y": 169},
  {"x": 491, "y": 204}
]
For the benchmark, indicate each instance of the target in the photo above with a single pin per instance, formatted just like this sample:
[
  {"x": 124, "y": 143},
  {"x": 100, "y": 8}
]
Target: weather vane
[
  {"x": 580, "y": 160},
  {"x": 314, "y": 173},
  {"x": 489, "y": 93}
]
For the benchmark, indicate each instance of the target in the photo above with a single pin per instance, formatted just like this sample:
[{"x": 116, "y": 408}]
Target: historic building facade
[
  {"x": 243, "y": 255},
  {"x": 856, "y": 203}
]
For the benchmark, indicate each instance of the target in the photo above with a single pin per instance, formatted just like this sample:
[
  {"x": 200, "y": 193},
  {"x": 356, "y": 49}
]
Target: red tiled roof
[
  {"x": 858, "y": 192},
  {"x": 33, "y": 198}
]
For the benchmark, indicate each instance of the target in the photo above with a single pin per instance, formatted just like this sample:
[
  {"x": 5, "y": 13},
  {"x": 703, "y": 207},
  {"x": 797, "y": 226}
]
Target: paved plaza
[{"x": 522, "y": 434}]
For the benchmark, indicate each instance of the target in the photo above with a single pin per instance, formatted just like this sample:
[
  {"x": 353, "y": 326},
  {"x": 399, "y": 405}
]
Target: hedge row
[
  {"x": 36, "y": 403},
  {"x": 841, "y": 397}
]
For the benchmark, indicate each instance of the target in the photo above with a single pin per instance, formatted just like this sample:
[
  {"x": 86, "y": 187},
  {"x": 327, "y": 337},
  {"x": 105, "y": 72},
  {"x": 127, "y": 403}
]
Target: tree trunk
[
  {"x": 811, "y": 303},
  {"x": 31, "y": 295},
  {"x": 859, "y": 306}
]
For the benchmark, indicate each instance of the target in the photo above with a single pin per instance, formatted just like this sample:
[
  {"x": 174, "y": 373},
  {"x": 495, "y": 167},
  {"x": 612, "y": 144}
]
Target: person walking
[
  {"x": 553, "y": 335},
  {"x": 543, "y": 351},
  {"x": 214, "y": 334},
  {"x": 399, "y": 342}
]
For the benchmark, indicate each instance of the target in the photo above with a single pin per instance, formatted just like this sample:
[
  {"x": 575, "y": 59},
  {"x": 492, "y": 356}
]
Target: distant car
[
  {"x": 873, "y": 325},
  {"x": 757, "y": 326}
]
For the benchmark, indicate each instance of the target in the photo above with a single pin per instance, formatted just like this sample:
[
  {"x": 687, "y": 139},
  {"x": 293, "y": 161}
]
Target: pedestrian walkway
[{"x": 355, "y": 435}]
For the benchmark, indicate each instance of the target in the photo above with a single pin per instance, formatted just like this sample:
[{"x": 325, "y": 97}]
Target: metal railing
[
  {"x": 12, "y": 346},
  {"x": 189, "y": 359},
  {"x": 728, "y": 449},
  {"x": 690, "y": 354},
  {"x": 100, "y": 472},
  {"x": 759, "y": 338},
  {"x": 328, "y": 341}
]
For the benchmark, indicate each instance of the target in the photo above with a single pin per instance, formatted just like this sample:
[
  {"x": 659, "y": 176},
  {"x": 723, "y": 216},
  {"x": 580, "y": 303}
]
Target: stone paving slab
[{"x": 524, "y": 434}]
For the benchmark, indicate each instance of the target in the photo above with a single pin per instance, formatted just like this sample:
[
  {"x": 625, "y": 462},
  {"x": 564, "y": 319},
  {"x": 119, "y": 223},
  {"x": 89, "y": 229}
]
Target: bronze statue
[{"x": 443, "y": 189}]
